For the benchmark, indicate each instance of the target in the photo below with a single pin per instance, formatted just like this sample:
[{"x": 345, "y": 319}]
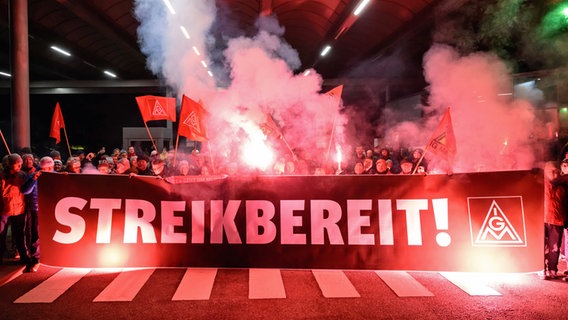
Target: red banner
[{"x": 465, "y": 222}]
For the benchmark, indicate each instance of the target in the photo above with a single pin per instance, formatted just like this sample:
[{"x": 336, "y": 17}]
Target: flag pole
[
  {"x": 67, "y": 139},
  {"x": 150, "y": 135},
  {"x": 330, "y": 139},
  {"x": 419, "y": 161},
  {"x": 5, "y": 143},
  {"x": 289, "y": 148},
  {"x": 176, "y": 150}
]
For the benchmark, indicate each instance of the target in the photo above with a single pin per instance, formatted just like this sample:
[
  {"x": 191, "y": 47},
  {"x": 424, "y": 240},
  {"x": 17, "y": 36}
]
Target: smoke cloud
[
  {"x": 469, "y": 69},
  {"x": 250, "y": 77}
]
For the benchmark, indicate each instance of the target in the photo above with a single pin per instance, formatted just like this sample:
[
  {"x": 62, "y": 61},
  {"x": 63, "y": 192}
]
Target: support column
[{"x": 20, "y": 75}]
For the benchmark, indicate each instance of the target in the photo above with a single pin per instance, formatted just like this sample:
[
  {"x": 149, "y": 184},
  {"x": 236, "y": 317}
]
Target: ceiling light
[
  {"x": 110, "y": 74},
  {"x": 170, "y": 7},
  {"x": 63, "y": 52},
  {"x": 5, "y": 74},
  {"x": 89, "y": 64},
  {"x": 203, "y": 64},
  {"x": 210, "y": 73},
  {"x": 307, "y": 72},
  {"x": 184, "y": 31},
  {"x": 360, "y": 7},
  {"x": 325, "y": 50},
  {"x": 195, "y": 49}
]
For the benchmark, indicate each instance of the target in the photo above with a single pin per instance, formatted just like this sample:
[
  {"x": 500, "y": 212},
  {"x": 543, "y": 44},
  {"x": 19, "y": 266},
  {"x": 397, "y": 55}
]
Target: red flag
[
  {"x": 443, "y": 141},
  {"x": 192, "y": 120},
  {"x": 157, "y": 108},
  {"x": 270, "y": 128},
  {"x": 57, "y": 124},
  {"x": 336, "y": 92}
]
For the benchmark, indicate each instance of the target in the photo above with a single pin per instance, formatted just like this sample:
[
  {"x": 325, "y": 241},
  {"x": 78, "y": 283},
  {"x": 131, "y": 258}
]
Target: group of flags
[
  {"x": 192, "y": 124},
  {"x": 192, "y": 115},
  {"x": 152, "y": 108}
]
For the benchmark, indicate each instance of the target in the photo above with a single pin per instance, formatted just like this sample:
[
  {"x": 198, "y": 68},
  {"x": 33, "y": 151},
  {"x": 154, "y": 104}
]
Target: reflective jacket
[{"x": 12, "y": 197}]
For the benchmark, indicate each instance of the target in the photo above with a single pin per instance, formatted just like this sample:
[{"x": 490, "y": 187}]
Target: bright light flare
[
  {"x": 63, "y": 52},
  {"x": 169, "y": 6},
  {"x": 256, "y": 154},
  {"x": 325, "y": 51},
  {"x": 5, "y": 74},
  {"x": 110, "y": 74},
  {"x": 113, "y": 255},
  {"x": 185, "y": 33},
  {"x": 338, "y": 157},
  {"x": 360, "y": 7}
]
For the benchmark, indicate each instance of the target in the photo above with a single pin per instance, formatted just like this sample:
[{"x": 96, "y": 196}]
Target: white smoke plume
[
  {"x": 498, "y": 125},
  {"x": 492, "y": 131},
  {"x": 253, "y": 76}
]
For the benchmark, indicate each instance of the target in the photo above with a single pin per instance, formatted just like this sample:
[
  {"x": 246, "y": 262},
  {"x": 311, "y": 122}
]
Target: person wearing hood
[{"x": 13, "y": 206}]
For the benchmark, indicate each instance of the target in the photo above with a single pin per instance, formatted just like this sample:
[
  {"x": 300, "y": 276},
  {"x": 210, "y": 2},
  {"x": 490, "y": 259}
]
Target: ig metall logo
[{"x": 497, "y": 221}]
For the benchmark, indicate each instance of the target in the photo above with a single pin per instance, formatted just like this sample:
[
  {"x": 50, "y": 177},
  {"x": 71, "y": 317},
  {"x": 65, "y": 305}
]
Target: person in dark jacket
[{"x": 30, "y": 191}]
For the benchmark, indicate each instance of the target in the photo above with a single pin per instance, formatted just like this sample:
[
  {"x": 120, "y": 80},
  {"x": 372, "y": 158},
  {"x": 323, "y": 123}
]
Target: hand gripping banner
[{"x": 490, "y": 222}]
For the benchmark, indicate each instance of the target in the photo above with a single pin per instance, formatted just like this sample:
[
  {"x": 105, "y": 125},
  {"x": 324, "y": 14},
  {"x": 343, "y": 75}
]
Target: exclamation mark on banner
[{"x": 440, "y": 207}]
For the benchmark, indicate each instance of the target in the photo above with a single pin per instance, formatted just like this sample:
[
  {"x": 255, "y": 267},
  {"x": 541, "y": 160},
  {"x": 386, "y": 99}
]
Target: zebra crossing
[{"x": 198, "y": 284}]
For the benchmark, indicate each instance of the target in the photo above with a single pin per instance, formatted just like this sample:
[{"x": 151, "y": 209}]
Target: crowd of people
[
  {"x": 20, "y": 171},
  {"x": 169, "y": 163}
]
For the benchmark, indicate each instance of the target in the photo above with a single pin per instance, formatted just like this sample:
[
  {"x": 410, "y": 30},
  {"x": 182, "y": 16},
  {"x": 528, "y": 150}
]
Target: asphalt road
[{"x": 63, "y": 293}]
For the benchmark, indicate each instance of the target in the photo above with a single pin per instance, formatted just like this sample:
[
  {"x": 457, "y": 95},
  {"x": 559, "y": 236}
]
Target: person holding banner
[
  {"x": 142, "y": 166},
  {"x": 13, "y": 206},
  {"x": 405, "y": 167},
  {"x": 29, "y": 189},
  {"x": 554, "y": 217}
]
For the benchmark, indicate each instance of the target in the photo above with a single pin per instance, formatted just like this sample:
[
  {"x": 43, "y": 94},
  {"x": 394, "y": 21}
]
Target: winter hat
[{"x": 14, "y": 158}]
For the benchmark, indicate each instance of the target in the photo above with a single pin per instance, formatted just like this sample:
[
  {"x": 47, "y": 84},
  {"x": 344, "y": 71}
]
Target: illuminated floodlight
[
  {"x": 325, "y": 51},
  {"x": 360, "y": 7},
  {"x": 195, "y": 50},
  {"x": 63, "y": 52},
  {"x": 5, "y": 74},
  {"x": 203, "y": 64},
  {"x": 110, "y": 74},
  {"x": 184, "y": 31},
  {"x": 169, "y": 6}
]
